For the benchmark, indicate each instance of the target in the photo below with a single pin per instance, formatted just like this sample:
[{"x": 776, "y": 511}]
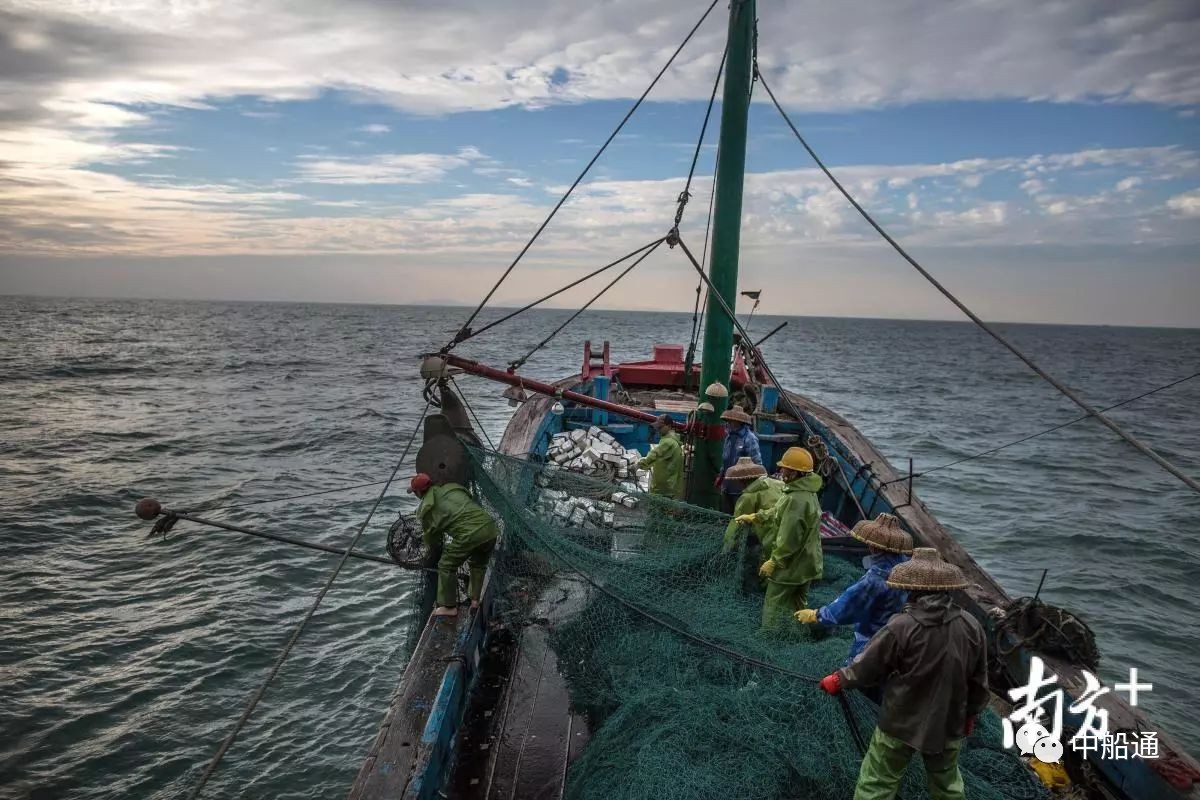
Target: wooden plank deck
[{"x": 537, "y": 732}]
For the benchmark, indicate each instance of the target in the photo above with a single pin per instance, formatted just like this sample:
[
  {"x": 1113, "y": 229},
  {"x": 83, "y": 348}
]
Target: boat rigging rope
[
  {"x": 686, "y": 194},
  {"x": 465, "y": 331},
  {"x": 190, "y": 509},
  {"x": 171, "y": 517},
  {"x": 475, "y": 416},
  {"x": 988, "y": 452},
  {"x": 673, "y": 240},
  {"x": 517, "y": 364},
  {"x": 295, "y": 637},
  {"x": 557, "y": 292},
  {"x": 697, "y": 314},
  {"x": 1065, "y": 390}
]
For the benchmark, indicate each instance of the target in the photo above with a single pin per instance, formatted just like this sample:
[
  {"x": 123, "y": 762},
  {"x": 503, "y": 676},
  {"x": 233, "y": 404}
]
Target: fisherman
[
  {"x": 665, "y": 461},
  {"x": 933, "y": 657},
  {"x": 756, "y": 491},
  {"x": 458, "y": 529},
  {"x": 740, "y": 442},
  {"x": 794, "y": 557},
  {"x": 869, "y": 602}
]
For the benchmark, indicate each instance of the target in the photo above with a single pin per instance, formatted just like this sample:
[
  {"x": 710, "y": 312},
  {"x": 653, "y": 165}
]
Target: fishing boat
[
  {"x": 493, "y": 706},
  {"x": 614, "y": 652}
]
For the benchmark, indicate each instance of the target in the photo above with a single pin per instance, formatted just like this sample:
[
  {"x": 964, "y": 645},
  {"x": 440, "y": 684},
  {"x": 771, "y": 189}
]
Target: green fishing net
[{"x": 657, "y": 633}]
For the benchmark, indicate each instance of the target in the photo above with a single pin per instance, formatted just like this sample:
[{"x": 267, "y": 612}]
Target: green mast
[{"x": 726, "y": 242}]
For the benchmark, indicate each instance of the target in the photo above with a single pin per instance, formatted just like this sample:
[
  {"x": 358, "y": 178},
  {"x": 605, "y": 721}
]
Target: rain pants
[
  {"x": 665, "y": 461},
  {"x": 868, "y": 603},
  {"x": 795, "y": 548},
  {"x": 460, "y": 530}
]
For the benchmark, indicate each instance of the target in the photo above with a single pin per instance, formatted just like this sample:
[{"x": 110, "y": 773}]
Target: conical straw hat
[
  {"x": 745, "y": 469},
  {"x": 885, "y": 533},
  {"x": 927, "y": 572},
  {"x": 735, "y": 414}
]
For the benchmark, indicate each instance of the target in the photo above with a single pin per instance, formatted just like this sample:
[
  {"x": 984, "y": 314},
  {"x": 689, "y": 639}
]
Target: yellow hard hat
[{"x": 797, "y": 458}]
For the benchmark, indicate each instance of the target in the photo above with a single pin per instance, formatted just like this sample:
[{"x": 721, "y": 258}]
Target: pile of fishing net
[{"x": 661, "y": 648}]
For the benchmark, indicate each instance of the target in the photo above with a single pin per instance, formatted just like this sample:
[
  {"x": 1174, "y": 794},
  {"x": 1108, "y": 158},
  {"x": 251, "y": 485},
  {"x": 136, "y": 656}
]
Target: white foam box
[
  {"x": 577, "y": 434},
  {"x": 630, "y": 502},
  {"x": 594, "y": 431}
]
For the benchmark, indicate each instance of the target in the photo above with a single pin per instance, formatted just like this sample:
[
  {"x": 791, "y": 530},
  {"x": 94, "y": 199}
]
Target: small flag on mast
[{"x": 754, "y": 295}]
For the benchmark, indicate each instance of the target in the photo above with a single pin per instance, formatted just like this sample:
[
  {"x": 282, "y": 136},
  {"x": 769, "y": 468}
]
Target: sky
[{"x": 1042, "y": 159}]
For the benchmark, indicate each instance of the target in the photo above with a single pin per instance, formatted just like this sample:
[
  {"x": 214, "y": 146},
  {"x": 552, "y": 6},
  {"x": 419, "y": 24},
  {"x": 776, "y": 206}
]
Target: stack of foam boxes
[{"x": 595, "y": 453}]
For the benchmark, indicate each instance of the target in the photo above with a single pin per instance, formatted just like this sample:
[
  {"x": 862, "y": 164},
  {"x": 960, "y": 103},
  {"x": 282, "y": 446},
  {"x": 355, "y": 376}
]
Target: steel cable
[
  {"x": 465, "y": 330},
  {"x": 520, "y": 361},
  {"x": 295, "y": 637},
  {"x": 1066, "y": 391}
]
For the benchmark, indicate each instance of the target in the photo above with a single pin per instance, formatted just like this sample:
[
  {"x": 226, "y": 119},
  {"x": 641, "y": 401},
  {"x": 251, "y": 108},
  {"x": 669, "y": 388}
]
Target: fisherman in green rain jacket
[
  {"x": 755, "y": 492},
  {"x": 795, "y": 559},
  {"x": 460, "y": 530},
  {"x": 665, "y": 461}
]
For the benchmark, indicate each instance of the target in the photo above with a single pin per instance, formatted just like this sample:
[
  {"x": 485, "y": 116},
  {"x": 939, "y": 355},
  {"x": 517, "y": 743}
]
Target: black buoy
[{"x": 148, "y": 508}]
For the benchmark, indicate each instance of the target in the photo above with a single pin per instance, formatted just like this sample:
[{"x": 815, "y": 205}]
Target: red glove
[
  {"x": 970, "y": 726},
  {"x": 717, "y": 481},
  {"x": 832, "y": 683}
]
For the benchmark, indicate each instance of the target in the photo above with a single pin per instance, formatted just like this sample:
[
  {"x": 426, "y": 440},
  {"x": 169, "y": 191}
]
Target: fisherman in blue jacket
[
  {"x": 740, "y": 442},
  {"x": 869, "y": 603}
]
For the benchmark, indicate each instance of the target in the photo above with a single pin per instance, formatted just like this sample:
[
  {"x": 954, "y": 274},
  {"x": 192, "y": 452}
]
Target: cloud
[
  {"x": 375, "y": 128},
  {"x": 395, "y": 168},
  {"x": 75, "y": 56},
  {"x": 1187, "y": 204}
]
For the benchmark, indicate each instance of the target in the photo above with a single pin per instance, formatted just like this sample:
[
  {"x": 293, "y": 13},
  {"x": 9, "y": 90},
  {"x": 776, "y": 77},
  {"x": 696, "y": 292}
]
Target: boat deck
[{"x": 520, "y": 736}]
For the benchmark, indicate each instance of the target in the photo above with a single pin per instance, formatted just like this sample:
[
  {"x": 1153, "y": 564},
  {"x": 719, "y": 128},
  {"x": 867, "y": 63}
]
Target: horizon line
[{"x": 449, "y": 304}]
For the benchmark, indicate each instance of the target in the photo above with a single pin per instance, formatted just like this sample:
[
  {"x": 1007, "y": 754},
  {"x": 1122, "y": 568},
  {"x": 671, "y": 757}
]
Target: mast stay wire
[
  {"x": 518, "y": 363},
  {"x": 1059, "y": 427},
  {"x": 557, "y": 292},
  {"x": 470, "y": 408},
  {"x": 686, "y": 194},
  {"x": 783, "y": 396},
  {"x": 697, "y": 314},
  {"x": 465, "y": 330},
  {"x": 295, "y": 637},
  {"x": 1063, "y": 389}
]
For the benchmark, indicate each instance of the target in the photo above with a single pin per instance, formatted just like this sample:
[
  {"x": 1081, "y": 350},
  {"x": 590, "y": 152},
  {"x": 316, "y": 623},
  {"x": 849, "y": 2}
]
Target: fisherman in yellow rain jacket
[
  {"x": 794, "y": 559},
  {"x": 665, "y": 461},
  {"x": 457, "y": 527}
]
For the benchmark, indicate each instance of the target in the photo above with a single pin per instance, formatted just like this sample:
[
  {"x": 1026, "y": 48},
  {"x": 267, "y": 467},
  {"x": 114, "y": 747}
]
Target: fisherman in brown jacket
[{"x": 932, "y": 659}]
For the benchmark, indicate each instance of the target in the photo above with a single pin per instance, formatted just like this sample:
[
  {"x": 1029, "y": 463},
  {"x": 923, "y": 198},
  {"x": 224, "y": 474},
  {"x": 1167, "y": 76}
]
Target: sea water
[{"x": 124, "y": 660}]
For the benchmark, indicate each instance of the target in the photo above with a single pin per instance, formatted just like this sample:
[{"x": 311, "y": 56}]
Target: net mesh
[{"x": 657, "y": 633}]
